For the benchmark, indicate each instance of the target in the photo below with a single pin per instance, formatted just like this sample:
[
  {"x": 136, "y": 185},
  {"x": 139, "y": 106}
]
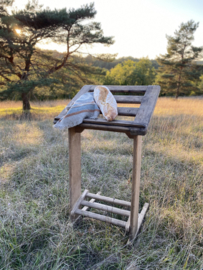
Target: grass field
[{"x": 35, "y": 228}]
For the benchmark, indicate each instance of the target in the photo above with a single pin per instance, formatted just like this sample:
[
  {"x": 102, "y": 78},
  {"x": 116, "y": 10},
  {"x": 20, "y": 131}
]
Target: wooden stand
[
  {"x": 77, "y": 200},
  {"x": 134, "y": 130}
]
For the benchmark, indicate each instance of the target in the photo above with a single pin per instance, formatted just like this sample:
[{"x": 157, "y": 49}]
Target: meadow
[{"x": 35, "y": 228}]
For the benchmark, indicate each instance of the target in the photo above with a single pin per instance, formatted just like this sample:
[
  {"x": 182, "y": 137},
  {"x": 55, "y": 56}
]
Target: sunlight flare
[{"x": 18, "y": 31}]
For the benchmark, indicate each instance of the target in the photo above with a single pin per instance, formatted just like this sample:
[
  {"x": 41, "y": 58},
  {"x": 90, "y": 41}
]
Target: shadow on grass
[{"x": 33, "y": 115}]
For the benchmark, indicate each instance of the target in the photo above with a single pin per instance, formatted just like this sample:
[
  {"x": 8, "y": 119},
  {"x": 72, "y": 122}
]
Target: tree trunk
[{"x": 26, "y": 103}]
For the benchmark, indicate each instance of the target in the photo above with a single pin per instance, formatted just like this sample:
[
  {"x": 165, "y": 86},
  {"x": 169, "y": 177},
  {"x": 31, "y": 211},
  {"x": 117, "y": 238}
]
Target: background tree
[
  {"x": 110, "y": 63},
  {"x": 179, "y": 73},
  {"x": 23, "y": 66},
  {"x": 131, "y": 73}
]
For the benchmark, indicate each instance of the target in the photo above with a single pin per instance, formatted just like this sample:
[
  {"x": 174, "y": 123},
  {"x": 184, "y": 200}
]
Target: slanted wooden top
[{"x": 146, "y": 96}]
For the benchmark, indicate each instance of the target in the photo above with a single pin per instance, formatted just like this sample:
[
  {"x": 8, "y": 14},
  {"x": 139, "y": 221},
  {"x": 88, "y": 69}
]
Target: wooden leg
[
  {"x": 74, "y": 167},
  {"x": 137, "y": 143}
]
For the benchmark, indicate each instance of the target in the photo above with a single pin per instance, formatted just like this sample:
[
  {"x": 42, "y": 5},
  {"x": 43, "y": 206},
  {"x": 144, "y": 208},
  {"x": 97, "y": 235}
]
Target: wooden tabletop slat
[
  {"x": 147, "y": 106},
  {"x": 127, "y": 111},
  {"x": 103, "y": 127},
  {"x": 128, "y": 99},
  {"x": 132, "y": 130},
  {"x": 124, "y": 88},
  {"x": 121, "y": 123}
]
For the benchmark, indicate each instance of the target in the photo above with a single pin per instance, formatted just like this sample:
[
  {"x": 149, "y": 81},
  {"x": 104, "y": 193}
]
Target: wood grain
[
  {"x": 130, "y": 132},
  {"x": 85, "y": 208},
  {"x": 142, "y": 114},
  {"x": 108, "y": 199},
  {"x": 124, "y": 88},
  {"x": 74, "y": 166},
  {"x": 107, "y": 208},
  {"x": 146, "y": 109},
  {"x": 135, "y": 186},
  {"x": 114, "y": 221},
  {"x": 127, "y": 111},
  {"x": 140, "y": 220},
  {"x": 78, "y": 202},
  {"x": 121, "y": 123},
  {"x": 128, "y": 99}
]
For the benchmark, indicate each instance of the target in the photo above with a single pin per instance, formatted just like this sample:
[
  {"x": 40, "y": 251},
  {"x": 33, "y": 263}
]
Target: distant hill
[
  {"x": 98, "y": 62},
  {"x": 109, "y": 65}
]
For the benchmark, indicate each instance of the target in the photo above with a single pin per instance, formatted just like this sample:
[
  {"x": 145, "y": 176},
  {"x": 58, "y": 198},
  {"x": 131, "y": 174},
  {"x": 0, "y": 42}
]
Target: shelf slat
[
  {"x": 107, "y": 208},
  {"x": 108, "y": 199},
  {"x": 147, "y": 106},
  {"x": 127, "y": 111},
  {"x": 124, "y": 88},
  {"x": 114, "y": 221},
  {"x": 121, "y": 123},
  {"x": 128, "y": 99}
]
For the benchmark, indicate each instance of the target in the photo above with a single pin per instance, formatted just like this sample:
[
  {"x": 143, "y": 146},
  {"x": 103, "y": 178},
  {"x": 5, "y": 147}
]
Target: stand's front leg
[
  {"x": 137, "y": 143},
  {"x": 74, "y": 166}
]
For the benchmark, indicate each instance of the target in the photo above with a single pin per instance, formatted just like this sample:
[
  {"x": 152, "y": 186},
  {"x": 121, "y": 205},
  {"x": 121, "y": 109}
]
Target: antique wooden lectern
[{"x": 146, "y": 96}]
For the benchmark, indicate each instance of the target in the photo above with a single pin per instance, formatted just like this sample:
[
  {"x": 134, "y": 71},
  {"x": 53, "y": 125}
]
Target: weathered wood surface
[
  {"x": 114, "y": 221},
  {"x": 130, "y": 132},
  {"x": 137, "y": 143},
  {"x": 74, "y": 166},
  {"x": 128, "y": 99},
  {"x": 85, "y": 208},
  {"x": 124, "y": 111},
  {"x": 142, "y": 114},
  {"x": 108, "y": 199},
  {"x": 78, "y": 202},
  {"x": 122, "y": 123},
  {"x": 142, "y": 215},
  {"x": 106, "y": 208},
  {"x": 127, "y": 111},
  {"x": 127, "y": 225},
  {"x": 124, "y": 88},
  {"x": 147, "y": 106},
  {"x": 140, "y": 221},
  {"x": 102, "y": 127}
]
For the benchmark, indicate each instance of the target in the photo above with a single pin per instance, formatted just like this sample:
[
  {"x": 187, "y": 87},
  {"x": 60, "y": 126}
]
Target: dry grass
[
  {"x": 182, "y": 106},
  {"x": 39, "y": 110},
  {"x": 35, "y": 229},
  {"x": 40, "y": 104}
]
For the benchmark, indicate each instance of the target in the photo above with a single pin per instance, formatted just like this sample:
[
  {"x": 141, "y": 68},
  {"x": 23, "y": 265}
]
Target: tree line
[{"x": 27, "y": 72}]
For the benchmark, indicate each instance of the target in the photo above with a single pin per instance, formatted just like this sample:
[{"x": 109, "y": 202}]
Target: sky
[{"x": 139, "y": 27}]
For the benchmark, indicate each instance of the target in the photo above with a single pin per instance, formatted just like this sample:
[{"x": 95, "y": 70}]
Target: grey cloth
[{"x": 83, "y": 107}]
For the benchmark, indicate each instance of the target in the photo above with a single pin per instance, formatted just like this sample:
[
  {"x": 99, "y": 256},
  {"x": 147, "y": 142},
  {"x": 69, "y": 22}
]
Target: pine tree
[
  {"x": 23, "y": 67},
  {"x": 179, "y": 73}
]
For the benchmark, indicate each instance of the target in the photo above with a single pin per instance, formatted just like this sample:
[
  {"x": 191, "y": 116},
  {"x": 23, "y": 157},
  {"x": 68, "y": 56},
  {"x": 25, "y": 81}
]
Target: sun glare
[{"x": 18, "y": 31}]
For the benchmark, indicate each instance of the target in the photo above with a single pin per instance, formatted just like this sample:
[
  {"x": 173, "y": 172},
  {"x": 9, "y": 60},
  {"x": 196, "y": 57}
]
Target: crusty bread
[{"x": 106, "y": 102}]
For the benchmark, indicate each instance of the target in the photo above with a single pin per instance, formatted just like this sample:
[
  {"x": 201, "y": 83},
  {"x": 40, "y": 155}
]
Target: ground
[{"x": 35, "y": 228}]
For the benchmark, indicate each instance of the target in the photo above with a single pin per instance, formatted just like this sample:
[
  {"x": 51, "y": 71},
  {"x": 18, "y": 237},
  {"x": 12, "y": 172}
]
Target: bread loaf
[{"x": 106, "y": 102}]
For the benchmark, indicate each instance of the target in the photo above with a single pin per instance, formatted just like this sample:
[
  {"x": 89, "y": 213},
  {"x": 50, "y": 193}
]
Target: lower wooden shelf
[{"x": 100, "y": 206}]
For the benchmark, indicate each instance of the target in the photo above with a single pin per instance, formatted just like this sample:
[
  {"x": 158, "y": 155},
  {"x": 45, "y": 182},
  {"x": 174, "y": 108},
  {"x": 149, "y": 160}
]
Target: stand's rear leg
[{"x": 137, "y": 143}]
